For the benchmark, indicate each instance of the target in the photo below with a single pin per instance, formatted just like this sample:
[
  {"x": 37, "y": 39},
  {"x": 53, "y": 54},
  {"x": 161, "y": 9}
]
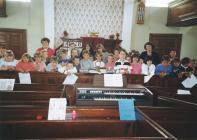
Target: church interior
[{"x": 98, "y": 69}]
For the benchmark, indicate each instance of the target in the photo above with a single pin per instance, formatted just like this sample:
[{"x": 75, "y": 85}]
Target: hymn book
[{"x": 190, "y": 81}]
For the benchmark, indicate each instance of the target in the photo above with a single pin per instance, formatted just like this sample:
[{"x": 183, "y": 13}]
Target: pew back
[
  {"x": 182, "y": 123},
  {"x": 90, "y": 122}
]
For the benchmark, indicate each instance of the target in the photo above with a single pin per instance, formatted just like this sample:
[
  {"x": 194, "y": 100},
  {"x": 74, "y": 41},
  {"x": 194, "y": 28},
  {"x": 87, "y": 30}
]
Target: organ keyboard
[{"x": 110, "y": 96}]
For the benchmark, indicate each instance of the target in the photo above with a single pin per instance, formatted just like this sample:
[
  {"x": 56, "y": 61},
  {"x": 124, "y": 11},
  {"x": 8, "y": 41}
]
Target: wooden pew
[
  {"x": 38, "y": 87},
  {"x": 166, "y": 88},
  {"x": 164, "y": 82},
  {"x": 97, "y": 122},
  {"x": 167, "y": 93},
  {"x": 58, "y": 78},
  {"x": 31, "y": 94},
  {"x": 27, "y": 97},
  {"x": 182, "y": 123}
]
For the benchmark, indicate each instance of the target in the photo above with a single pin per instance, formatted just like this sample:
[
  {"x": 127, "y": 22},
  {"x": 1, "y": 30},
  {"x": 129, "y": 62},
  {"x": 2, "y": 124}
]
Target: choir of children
[{"x": 118, "y": 62}]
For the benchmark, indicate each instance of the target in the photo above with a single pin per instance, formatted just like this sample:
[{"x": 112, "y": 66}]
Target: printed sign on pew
[
  {"x": 7, "y": 84},
  {"x": 57, "y": 109},
  {"x": 24, "y": 78}
]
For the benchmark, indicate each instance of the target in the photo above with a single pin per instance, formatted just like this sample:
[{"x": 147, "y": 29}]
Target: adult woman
[{"x": 149, "y": 52}]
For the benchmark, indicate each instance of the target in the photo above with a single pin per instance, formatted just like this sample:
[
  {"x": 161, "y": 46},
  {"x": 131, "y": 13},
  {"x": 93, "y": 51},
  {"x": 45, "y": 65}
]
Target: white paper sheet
[
  {"x": 190, "y": 81},
  {"x": 113, "y": 80},
  {"x": 70, "y": 79},
  {"x": 24, "y": 78},
  {"x": 7, "y": 84},
  {"x": 147, "y": 78},
  {"x": 183, "y": 92},
  {"x": 57, "y": 109}
]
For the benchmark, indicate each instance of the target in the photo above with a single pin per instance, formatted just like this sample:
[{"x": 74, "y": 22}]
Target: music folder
[{"x": 126, "y": 109}]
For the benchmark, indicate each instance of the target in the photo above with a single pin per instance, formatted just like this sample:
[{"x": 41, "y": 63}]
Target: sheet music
[
  {"x": 57, "y": 109},
  {"x": 93, "y": 71},
  {"x": 183, "y": 92},
  {"x": 103, "y": 71},
  {"x": 99, "y": 72},
  {"x": 7, "y": 84},
  {"x": 24, "y": 78},
  {"x": 70, "y": 79},
  {"x": 147, "y": 78},
  {"x": 190, "y": 81},
  {"x": 113, "y": 80}
]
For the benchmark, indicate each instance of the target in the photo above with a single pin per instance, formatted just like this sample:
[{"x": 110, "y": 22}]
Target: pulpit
[{"x": 109, "y": 44}]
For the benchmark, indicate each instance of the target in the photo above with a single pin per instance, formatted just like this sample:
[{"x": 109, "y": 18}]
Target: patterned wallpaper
[{"x": 79, "y": 17}]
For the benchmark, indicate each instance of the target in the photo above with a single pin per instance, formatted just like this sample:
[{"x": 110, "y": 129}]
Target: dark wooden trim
[
  {"x": 3, "y": 8},
  {"x": 177, "y": 44},
  {"x": 8, "y": 32},
  {"x": 182, "y": 13}
]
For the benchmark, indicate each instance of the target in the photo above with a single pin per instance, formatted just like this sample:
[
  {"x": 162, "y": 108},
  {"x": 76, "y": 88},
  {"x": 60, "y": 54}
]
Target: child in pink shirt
[
  {"x": 136, "y": 66},
  {"x": 25, "y": 65},
  {"x": 110, "y": 62},
  {"x": 39, "y": 64}
]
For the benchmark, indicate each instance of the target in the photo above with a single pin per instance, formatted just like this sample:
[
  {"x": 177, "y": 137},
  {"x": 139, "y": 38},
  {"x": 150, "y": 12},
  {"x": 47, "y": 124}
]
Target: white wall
[
  {"x": 49, "y": 21},
  {"x": 189, "y": 42},
  {"x": 127, "y": 26},
  {"x": 155, "y": 22},
  {"x": 27, "y": 16},
  {"x": 38, "y": 22}
]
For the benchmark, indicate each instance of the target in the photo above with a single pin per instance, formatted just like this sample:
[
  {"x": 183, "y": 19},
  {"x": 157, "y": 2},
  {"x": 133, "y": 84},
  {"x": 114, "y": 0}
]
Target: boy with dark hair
[
  {"x": 164, "y": 68},
  {"x": 185, "y": 69},
  {"x": 76, "y": 62}
]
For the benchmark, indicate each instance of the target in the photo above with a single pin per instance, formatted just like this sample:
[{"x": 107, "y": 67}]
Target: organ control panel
[{"x": 110, "y": 96}]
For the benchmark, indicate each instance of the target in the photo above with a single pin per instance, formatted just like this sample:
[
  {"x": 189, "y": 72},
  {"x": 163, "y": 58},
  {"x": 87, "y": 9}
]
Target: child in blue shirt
[{"x": 164, "y": 68}]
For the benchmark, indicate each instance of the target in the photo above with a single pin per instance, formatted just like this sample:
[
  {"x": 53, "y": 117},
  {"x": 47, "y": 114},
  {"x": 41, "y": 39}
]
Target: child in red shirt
[{"x": 25, "y": 65}]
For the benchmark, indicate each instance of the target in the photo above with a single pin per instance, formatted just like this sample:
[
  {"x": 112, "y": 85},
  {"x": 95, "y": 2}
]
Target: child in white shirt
[
  {"x": 122, "y": 65},
  {"x": 9, "y": 62},
  {"x": 68, "y": 69},
  {"x": 148, "y": 68},
  {"x": 98, "y": 62}
]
